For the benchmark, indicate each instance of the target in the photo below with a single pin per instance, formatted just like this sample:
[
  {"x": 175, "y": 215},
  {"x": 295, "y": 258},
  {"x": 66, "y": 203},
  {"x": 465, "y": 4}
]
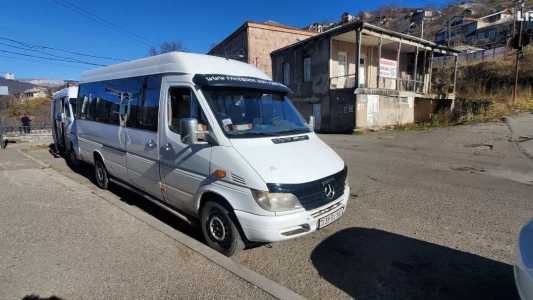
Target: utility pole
[
  {"x": 448, "y": 32},
  {"x": 519, "y": 50},
  {"x": 422, "y": 25}
]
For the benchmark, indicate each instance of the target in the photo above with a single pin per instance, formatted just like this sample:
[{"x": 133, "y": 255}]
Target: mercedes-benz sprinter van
[
  {"x": 214, "y": 140},
  {"x": 64, "y": 125}
]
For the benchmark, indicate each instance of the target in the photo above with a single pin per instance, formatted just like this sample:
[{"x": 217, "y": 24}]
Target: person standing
[{"x": 26, "y": 123}]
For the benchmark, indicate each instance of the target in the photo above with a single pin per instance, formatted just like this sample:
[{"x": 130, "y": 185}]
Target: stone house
[
  {"x": 253, "y": 42},
  {"x": 35, "y": 92},
  {"x": 358, "y": 75}
]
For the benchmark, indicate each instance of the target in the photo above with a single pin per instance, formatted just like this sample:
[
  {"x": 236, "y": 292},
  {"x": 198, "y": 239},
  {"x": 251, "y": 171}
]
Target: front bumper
[{"x": 283, "y": 227}]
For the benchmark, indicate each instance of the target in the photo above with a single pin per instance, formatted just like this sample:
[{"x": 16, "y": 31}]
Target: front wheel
[
  {"x": 100, "y": 172},
  {"x": 220, "y": 230}
]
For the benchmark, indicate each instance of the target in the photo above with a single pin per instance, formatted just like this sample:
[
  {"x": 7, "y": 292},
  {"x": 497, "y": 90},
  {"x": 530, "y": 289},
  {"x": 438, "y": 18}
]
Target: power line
[
  {"x": 50, "y": 58},
  {"x": 70, "y": 59},
  {"x": 33, "y": 46},
  {"x": 40, "y": 62},
  {"x": 102, "y": 21}
]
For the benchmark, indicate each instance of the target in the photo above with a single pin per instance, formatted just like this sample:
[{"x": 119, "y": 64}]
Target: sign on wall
[{"x": 388, "y": 68}]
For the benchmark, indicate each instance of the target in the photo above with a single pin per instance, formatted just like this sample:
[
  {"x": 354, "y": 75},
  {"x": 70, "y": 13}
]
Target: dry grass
[{"x": 38, "y": 109}]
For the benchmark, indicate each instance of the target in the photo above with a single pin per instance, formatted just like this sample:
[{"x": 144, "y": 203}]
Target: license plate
[{"x": 325, "y": 221}]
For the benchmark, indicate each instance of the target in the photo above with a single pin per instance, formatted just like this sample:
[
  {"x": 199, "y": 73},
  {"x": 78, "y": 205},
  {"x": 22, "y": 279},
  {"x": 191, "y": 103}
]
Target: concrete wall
[
  {"x": 425, "y": 109},
  {"x": 262, "y": 42},
  {"x": 311, "y": 98},
  {"x": 374, "y": 111},
  {"x": 253, "y": 43}
]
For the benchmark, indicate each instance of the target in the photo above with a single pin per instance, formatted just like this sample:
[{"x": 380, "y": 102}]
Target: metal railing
[
  {"x": 404, "y": 85},
  {"x": 25, "y": 130},
  {"x": 342, "y": 82}
]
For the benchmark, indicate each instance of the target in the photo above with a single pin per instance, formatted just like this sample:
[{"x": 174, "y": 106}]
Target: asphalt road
[
  {"x": 433, "y": 215},
  {"x": 60, "y": 238}
]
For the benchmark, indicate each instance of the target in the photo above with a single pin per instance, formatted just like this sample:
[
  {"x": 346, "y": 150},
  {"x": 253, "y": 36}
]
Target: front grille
[{"x": 312, "y": 194}]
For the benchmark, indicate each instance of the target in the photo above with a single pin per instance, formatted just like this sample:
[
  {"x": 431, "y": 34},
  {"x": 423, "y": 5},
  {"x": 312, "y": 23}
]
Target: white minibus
[
  {"x": 63, "y": 121},
  {"x": 213, "y": 140}
]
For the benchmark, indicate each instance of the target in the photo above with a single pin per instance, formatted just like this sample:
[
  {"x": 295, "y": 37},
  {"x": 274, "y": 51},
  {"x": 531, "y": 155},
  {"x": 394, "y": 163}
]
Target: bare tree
[{"x": 167, "y": 47}]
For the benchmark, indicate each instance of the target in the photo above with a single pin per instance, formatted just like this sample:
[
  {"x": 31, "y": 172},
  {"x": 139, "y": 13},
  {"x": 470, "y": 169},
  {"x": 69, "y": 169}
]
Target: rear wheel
[
  {"x": 72, "y": 160},
  {"x": 220, "y": 230},
  {"x": 100, "y": 173}
]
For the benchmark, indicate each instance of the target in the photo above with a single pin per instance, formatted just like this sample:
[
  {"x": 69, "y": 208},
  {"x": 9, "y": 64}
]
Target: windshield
[{"x": 251, "y": 113}]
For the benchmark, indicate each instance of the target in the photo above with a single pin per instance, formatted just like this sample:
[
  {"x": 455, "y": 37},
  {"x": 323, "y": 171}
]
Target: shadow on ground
[
  {"x": 135, "y": 199},
  {"x": 374, "y": 264}
]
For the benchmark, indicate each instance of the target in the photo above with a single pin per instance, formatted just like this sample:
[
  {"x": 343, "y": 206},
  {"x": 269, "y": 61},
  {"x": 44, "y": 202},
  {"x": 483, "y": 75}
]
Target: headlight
[{"x": 276, "y": 202}]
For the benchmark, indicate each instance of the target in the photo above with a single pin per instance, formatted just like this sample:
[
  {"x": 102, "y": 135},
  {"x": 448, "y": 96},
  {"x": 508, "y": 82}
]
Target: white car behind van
[
  {"x": 523, "y": 269},
  {"x": 214, "y": 140}
]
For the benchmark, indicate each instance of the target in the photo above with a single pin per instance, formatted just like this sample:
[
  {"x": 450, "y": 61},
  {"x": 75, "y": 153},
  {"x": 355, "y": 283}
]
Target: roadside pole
[{"x": 519, "y": 50}]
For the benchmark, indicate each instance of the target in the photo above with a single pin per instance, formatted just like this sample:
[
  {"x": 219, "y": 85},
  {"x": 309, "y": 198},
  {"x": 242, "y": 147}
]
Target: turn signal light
[{"x": 219, "y": 173}]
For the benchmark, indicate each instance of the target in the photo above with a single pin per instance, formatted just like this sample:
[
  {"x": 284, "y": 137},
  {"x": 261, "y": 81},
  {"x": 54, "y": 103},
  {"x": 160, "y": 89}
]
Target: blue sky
[{"x": 197, "y": 24}]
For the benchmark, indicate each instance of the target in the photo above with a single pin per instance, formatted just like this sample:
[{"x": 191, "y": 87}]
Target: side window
[
  {"x": 74, "y": 104},
  {"x": 111, "y": 96},
  {"x": 84, "y": 107},
  {"x": 149, "y": 112},
  {"x": 84, "y": 101},
  {"x": 57, "y": 106},
  {"x": 66, "y": 107},
  {"x": 183, "y": 104},
  {"x": 131, "y": 90}
]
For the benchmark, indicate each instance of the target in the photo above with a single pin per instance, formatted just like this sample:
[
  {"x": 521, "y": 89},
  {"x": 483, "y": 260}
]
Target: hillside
[
  {"x": 399, "y": 18},
  {"x": 15, "y": 86}
]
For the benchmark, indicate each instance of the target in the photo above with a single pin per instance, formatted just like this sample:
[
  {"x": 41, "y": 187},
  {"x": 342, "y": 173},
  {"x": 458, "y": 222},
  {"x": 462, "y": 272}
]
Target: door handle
[{"x": 150, "y": 144}]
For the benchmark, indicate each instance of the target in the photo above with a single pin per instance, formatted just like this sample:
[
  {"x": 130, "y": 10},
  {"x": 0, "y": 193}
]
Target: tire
[
  {"x": 100, "y": 174},
  {"x": 220, "y": 230},
  {"x": 72, "y": 160}
]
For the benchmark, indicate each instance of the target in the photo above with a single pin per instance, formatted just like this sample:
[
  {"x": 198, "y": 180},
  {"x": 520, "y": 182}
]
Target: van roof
[
  {"x": 173, "y": 62},
  {"x": 71, "y": 92}
]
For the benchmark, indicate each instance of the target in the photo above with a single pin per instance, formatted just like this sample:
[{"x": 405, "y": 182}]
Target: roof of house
[
  {"x": 173, "y": 62},
  {"x": 268, "y": 25},
  {"x": 363, "y": 25}
]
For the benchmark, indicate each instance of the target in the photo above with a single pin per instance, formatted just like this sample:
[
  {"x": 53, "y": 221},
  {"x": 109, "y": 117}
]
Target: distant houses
[
  {"x": 35, "y": 92},
  {"x": 490, "y": 31},
  {"x": 21, "y": 91}
]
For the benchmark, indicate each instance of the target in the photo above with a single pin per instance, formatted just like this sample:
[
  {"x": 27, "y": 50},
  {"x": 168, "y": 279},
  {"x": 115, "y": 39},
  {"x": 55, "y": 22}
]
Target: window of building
[
  {"x": 307, "y": 68},
  {"x": 342, "y": 58},
  {"x": 286, "y": 73}
]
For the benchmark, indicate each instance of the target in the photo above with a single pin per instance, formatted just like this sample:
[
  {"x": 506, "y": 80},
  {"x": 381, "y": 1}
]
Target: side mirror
[{"x": 188, "y": 131}]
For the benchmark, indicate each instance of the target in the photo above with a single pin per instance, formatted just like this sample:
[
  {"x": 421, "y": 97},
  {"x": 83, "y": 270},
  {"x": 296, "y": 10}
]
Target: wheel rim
[
  {"x": 217, "y": 228},
  {"x": 99, "y": 173}
]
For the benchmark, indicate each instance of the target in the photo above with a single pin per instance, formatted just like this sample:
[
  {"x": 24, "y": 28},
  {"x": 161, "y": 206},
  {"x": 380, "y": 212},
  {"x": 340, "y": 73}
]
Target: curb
[{"x": 269, "y": 286}]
